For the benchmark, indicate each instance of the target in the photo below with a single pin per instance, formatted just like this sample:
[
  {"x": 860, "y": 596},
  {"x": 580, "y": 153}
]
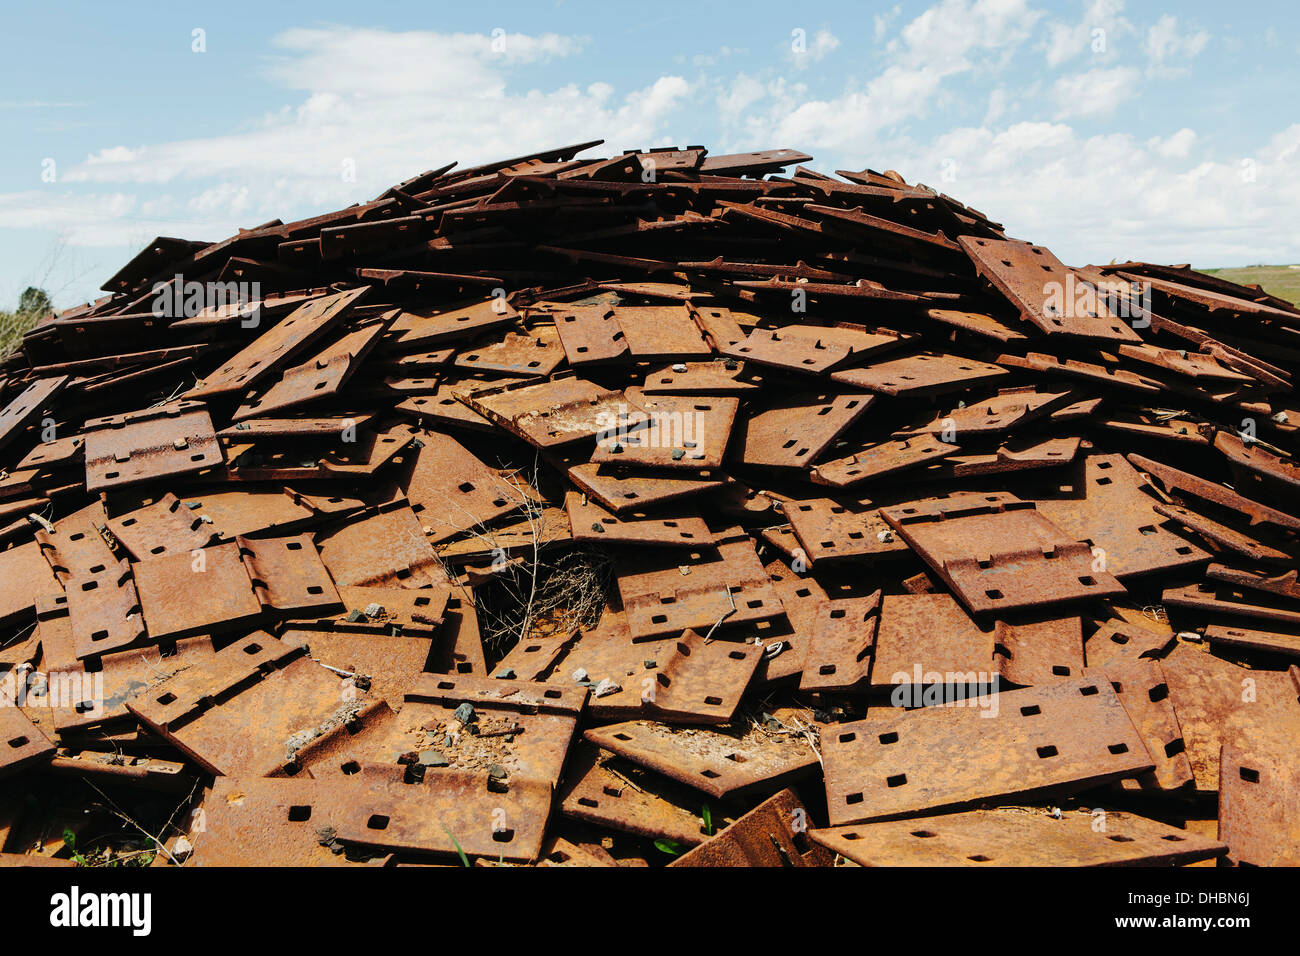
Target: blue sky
[{"x": 1101, "y": 129}]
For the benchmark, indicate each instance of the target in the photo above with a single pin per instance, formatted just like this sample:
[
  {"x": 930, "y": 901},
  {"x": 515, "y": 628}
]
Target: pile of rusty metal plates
[{"x": 659, "y": 508}]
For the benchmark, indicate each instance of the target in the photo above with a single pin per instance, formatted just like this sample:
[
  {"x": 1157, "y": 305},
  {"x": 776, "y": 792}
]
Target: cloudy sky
[{"x": 1102, "y": 129}]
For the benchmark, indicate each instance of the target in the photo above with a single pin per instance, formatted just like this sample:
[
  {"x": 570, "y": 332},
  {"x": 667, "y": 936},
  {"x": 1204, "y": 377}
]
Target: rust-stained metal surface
[
  {"x": 278, "y": 344},
  {"x": 668, "y": 592},
  {"x": 773, "y": 834},
  {"x": 1019, "y": 836},
  {"x": 927, "y": 373},
  {"x": 794, "y": 432},
  {"x": 828, "y": 528},
  {"x": 1102, "y": 502},
  {"x": 175, "y": 439},
  {"x": 284, "y": 700},
  {"x": 1220, "y": 703},
  {"x": 22, "y": 743},
  {"x": 1259, "y": 805},
  {"x": 590, "y": 522},
  {"x": 27, "y": 405},
  {"x": 598, "y": 792},
  {"x": 928, "y": 638},
  {"x": 843, "y": 646},
  {"x": 184, "y": 594},
  {"x": 721, "y": 763},
  {"x": 1022, "y": 271},
  {"x": 998, "y": 553},
  {"x": 1055, "y": 739},
  {"x": 678, "y": 433},
  {"x": 562, "y": 510},
  {"x": 1144, "y": 692}
]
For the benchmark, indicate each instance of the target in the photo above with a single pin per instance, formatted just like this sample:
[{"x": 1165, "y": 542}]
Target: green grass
[
  {"x": 1281, "y": 281},
  {"x": 12, "y": 327}
]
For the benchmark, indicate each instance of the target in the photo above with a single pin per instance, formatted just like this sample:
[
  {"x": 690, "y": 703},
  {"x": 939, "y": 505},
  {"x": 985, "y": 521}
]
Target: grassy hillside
[{"x": 1281, "y": 281}]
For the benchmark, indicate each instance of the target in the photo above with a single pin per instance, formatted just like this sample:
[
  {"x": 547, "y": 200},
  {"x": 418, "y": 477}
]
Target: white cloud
[
  {"x": 946, "y": 40},
  {"x": 997, "y": 105},
  {"x": 438, "y": 97},
  {"x": 1165, "y": 41},
  {"x": 1177, "y": 145},
  {"x": 1109, "y": 196},
  {"x": 1094, "y": 92},
  {"x": 1099, "y": 27}
]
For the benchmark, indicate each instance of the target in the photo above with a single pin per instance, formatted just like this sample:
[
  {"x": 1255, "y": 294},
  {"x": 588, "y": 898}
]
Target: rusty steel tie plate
[
  {"x": 1220, "y": 703},
  {"x": 1059, "y": 738},
  {"x": 1104, "y": 504},
  {"x": 1144, "y": 692},
  {"x": 82, "y": 700},
  {"x": 382, "y": 547},
  {"x": 287, "y": 575},
  {"x": 1024, "y": 272},
  {"x": 1009, "y": 409},
  {"x": 668, "y": 591},
  {"x": 592, "y": 523},
  {"x": 164, "y": 442},
  {"x": 1120, "y": 642},
  {"x": 28, "y": 404},
  {"x": 28, "y": 578},
  {"x": 451, "y": 490},
  {"x": 595, "y": 792},
  {"x": 842, "y": 646},
  {"x": 661, "y": 332},
  {"x": 1222, "y": 601},
  {"x": 163, "y": 526},
  {"x": 796, "y": 353},
  {"x": 590, "y": 335},
  {"x": 722, "y": 762},
  {"x": 321, "y": 376},
  {"x": 275, "y": 347},
  {"x": 441, "y": 407},
  {"x": 702, "y": 378},
  {"x": 1267, "y": 642},
  {"x": 929, "y": 639},
  {"x": 57, "y": 453},
  {"x": 1036, "y": 649},
  {"x": 424, "y": 328},
  {"x": 105, "y": 609},
  {"x": 22, "y": 743},
  {"x": 264, "y": 821},
  {"x": 607, "y": 654},
  {"x": 1180, "y": 483},
  {"x": 1023, "y": 454},
  {"x": 245, "y": 511},
  {"x": 998, "y": 553},
  {"x": 1019, "y": 836},
  {"x": 534, "y": 355},
  {"x": 390, "y": 665},
  {"x": 557, "y": 412},
  {"x": 1259, "y": 805},
  {"x": 928, "y": 373},
  {"x": 773, "y": 834},
  {"x": 621, "y": 490},
  {"x": 282, "y": 701},
  {"x": 449, "y": 813},
  {"x": 795, "y": 432},
  {"x": 876, "y": 460},
  {"x": 183, "y": 594},
  {"x": 521, "y": 730},
  {"x": 699, "y": 682},
  {"x": 681, "y": 432},
  {"x": 1233, "y": 539},
  {"x": 827, "y": 528}
]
